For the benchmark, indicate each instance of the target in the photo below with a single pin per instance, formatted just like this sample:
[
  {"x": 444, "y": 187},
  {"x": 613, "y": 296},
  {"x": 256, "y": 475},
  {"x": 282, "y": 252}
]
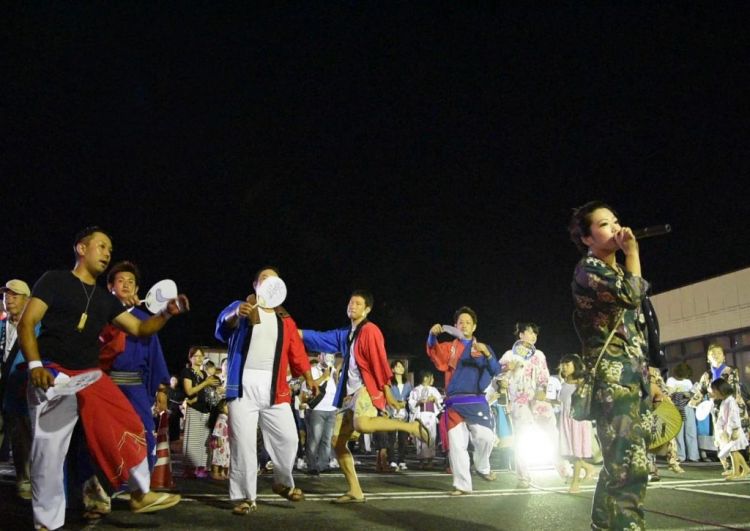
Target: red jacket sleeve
[
  {"x": 111, "y": 344},
  {"x": 299, "y": 361},
  {"x": 440, "y": 355}
]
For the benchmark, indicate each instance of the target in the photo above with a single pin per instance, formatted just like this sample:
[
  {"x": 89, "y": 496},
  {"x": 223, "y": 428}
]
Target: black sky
[{"x": 430, "y": 154}]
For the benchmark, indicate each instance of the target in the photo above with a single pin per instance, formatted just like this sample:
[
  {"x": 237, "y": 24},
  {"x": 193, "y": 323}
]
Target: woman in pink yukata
[{"x": 525, "y": 376}]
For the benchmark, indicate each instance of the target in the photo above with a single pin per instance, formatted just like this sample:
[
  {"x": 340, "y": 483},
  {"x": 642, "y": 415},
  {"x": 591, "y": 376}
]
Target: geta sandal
[
  {"x": 245, "y": 507},
  {"x": 292, "y": 494}
]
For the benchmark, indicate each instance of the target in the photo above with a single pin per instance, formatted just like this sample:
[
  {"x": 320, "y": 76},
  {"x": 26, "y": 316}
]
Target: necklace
[{"x": 85, "y": 315}]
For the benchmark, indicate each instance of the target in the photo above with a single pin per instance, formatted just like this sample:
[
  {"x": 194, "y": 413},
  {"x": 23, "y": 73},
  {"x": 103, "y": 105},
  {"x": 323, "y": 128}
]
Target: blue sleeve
[
  {"x": 223, "y": 331},
  {"x": 157, "y": 366},
  {"x": 431, "y": 340},
  {"x": 330, "y": 341},
  {"x": 493, "y": 364}
]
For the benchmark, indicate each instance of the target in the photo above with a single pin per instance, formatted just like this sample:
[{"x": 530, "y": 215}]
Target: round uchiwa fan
[
  {"x": 667, "y": 424},
  {"x": 271, "y": 292},
  {"x": 159, "y": 295},
  {"x": 524, "y": 349},
  {"x": 703, "y": 410}
]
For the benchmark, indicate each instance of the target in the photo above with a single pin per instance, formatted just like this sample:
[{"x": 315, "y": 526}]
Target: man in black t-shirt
[{"x": 72, "y": 310}]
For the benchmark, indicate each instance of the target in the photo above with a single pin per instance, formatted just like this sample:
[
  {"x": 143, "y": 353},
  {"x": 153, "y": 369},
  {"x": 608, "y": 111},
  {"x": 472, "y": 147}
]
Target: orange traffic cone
[{"x": 161, "y": 477}]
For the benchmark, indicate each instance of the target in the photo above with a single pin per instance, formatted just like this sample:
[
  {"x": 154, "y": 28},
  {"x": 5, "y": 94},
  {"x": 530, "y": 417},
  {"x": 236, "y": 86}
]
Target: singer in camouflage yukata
[{"x": 606, "y": 296}]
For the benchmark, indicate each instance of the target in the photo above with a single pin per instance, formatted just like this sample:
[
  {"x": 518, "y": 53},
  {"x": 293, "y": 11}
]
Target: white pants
[
  {"x": 279, "y": 436},
  {"x": 52, "y": 423},
  {"x": 429, "y": 419},
  {"x": 482, "y": 438}
]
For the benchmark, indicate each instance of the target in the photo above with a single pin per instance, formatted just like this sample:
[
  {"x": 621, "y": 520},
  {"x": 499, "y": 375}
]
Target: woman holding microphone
[{"x": 607, "y": 298}]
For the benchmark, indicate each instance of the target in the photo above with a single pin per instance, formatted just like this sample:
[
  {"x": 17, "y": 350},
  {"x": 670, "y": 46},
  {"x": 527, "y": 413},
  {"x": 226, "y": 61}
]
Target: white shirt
[
  {"x": 327, "y": 403},
  {"x": 262, "y": 349},
  {"x": 354, "y": 377},
  {"x": 679, "y": 386},
  {"x": 553, "y": 388}
]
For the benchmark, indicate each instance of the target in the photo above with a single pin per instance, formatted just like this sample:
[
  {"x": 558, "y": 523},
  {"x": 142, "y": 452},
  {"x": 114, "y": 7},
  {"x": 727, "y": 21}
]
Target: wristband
[{"x": 35, "y": 364}]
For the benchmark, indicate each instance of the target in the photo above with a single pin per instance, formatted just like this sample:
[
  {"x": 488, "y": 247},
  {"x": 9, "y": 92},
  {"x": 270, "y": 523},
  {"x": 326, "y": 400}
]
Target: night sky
[{"x": 432, "y": 155}]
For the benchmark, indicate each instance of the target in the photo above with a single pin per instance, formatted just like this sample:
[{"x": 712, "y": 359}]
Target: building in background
[{"x": 716, "y": 310}]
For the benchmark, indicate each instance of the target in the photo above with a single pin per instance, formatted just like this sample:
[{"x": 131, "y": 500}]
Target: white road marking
[
  {"x": 686, "y": 485},
  {"x": 715, "y": 493}
]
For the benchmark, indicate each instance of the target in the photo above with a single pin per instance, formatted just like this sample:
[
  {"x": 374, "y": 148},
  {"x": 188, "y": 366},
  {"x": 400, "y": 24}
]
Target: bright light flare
[{"x": 536, "y": 448}]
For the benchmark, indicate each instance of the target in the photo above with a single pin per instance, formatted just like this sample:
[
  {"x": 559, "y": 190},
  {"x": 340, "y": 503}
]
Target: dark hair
[
  {"x": 465, "y": 309},
  {"x": 521, "y": 327},
  {"x": 366, "y": 295},
  {"x": 208, "y": 363},
  {"x": 580, "y": 222},
  {"x": 723, "y": 387},
  {"x": 404, "y": 377},
  {"x": 124, "y": 267},
  {"x": 84, "y": 235},
  {"x": 425, "y": 374},
  {"x": 272, "y": 268},
  {"x": 193, "y": 350},
  {"x": 682, "y": 371},
  {"x": 579, "y": 369},
  {"x": 214, "y": 415},
  {"x": 394, "y": 362}
]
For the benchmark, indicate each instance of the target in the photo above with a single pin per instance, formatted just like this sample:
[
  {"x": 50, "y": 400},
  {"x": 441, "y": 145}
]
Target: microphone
[{"x": 654, "y": 230}]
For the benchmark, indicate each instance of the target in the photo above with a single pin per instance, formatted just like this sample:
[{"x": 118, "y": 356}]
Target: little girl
[
  {"x": 218, "y": 423},
  {"x": 728, "y": 432},
  {"x": 575, "y": 436}
]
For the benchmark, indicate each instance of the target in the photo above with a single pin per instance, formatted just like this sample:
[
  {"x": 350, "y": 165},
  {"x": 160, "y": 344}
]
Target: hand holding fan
[
  {"x": 271, "y": 293},
  {"x": 523, "y": 349},
  {"x": 452, "y": 330},
  {"x": 159, "y": 295},
  {"x": 69, "y": 385}
]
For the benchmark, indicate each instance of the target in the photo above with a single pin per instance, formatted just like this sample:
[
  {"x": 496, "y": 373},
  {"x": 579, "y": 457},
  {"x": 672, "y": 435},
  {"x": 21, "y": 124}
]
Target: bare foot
[{"x": 588, "y": 471}]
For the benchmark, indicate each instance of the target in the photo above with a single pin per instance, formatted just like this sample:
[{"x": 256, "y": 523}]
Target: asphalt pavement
[{"x": 415, "y": 499}]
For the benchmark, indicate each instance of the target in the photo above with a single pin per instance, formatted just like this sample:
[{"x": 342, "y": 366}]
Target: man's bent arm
[
  {"x": 32, "y": 315},
  {"x": 135, "y": 327}
]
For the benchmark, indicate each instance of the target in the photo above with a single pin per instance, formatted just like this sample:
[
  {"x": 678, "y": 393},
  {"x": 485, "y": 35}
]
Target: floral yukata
[
  {"x": 623, "y": 420},
  {"x": 731, "y": 375},
  {"x": 529, "y": 376}
]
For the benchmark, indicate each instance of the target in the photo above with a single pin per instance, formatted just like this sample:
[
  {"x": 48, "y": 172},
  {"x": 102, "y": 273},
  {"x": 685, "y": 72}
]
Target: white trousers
[
  {"x": 279, "y": 436},
  {"x": 482, "y": 438},
  {"x": 425, "y": 451},
  {"x": 52, "y": 423}
]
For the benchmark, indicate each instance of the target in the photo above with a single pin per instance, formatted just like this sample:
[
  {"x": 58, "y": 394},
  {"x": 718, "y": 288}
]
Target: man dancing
[
  {"x": 263, "y": 344},
  {"x": 73, "y": 310},
  {"x": 468, "y": 366},
  {"x": 135, "y": 364},
  {"x": 363, "y": 386}
]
